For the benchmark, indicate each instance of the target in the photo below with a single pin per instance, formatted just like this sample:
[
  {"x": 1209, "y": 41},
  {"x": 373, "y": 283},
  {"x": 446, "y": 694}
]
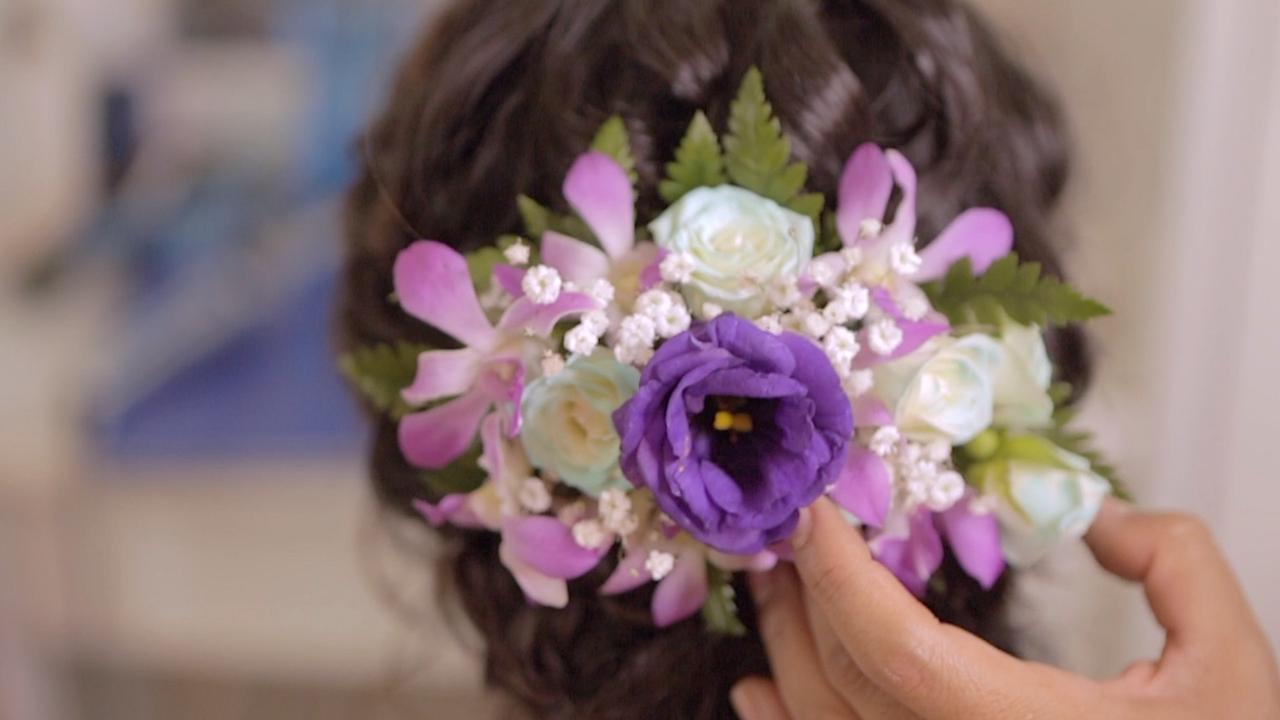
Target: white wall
[{"x": 1171, "y": 101}]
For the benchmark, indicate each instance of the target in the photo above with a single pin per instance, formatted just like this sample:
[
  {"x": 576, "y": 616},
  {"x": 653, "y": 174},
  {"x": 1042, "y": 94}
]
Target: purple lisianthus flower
[{"x": 734, "y": 430}]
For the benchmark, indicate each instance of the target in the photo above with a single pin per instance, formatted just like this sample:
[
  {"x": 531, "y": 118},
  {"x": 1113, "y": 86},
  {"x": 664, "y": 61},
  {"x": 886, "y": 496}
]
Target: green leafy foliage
[
  {"x": 381, "y": 371},
  {"x": 480, "y": 264},
  {"x": 720, "y": 611},
  {"x": 461, "y": 476},
  {"x": 699, "y": 161},
  {"x": 1081, "y": 443},
  {"x": 1010, "y": 289},
  {"x": 612, "y": 140},
  {"x": 758, "y": 155},
  {"x": 538, "y": 219}
]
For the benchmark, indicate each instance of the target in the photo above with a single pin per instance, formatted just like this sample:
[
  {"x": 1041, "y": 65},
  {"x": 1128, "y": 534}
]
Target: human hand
[{"x": 846, "y": 640}]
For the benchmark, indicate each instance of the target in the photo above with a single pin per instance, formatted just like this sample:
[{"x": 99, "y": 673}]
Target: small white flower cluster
[
  {"x": 542, "y": 284},
  {"x": 585, "y": 336},
  {"x": 616, "y": 513},
  {"x": 659, "y": 564},
  {"x": 659, "y": 313},
  {"x": 922, "y": 472}
]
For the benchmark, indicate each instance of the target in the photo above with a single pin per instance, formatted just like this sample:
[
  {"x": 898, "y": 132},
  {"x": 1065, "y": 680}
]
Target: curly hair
[{"x": 499, "y": 98}]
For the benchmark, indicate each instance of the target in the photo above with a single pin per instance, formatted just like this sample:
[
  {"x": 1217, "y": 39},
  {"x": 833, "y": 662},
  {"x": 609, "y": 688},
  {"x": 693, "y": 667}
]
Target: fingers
[
  {"x": 935, "y": 670},
  {"x": 757, "y": 699},
  {"x": 1189, "y": 585},
  {"x": 793, "y": 656}
]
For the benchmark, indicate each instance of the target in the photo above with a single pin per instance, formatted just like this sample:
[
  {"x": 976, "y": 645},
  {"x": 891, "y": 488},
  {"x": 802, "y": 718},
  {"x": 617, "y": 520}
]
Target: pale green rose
[
  {"x": 568, "y": 421},
  {"x": 943, "y": 391},
  {"x": 739, "y": 242},
  {"x": 1022, "y": 380},
  {"x": 1046, "y": 496}
]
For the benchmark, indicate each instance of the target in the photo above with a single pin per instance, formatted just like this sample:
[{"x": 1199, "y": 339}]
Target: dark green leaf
[
  {"x": 461, "y": 476},
  {"x": 380, "y": 372},
  {"x": 720, "y": 611},
  {"x": 698, "y": 163},
  {"x": 538, "y": 219},
  {"x": 1009, "y": 288}
]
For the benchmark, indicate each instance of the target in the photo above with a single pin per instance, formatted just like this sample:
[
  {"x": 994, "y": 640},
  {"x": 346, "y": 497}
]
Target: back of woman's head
[{"x": 499, "y": 98}]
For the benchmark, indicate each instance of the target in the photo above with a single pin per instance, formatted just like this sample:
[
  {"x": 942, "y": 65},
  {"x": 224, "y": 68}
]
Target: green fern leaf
[
  {"x": 612, "y": 140},
  {"x": 1013, "y": 290},
  {"x": 381, "y": 371},
  {"x": 1081, "y": 443},
  {"x": 698, "y": 163},
  {"x": 720, "y": 611},
  {"x": 757, "y": 154}
]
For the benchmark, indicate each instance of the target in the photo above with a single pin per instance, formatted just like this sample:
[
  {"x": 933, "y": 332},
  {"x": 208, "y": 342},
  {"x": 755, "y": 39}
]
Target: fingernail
[
  {"x": 761, "y": 584},
  {"x": 804, "y": 526},
  {"x": 741, "y": 698}
]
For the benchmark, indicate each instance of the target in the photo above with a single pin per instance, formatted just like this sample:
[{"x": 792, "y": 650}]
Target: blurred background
[{"x": 184, "y": 527}]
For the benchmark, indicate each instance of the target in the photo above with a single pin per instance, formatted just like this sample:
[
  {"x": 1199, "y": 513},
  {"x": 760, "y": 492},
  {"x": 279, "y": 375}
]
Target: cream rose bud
[
  {"x": 738, "y": 242},
  {"x": 1022, "y": 380},
  {"x": 945, "y": 391},
  {"x": 1049, "y": 501},
  {"x": 568, "y": 421}
]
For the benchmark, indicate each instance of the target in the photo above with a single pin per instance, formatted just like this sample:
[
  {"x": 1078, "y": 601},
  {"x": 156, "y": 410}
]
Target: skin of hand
[{"x": 845, "y": 639}]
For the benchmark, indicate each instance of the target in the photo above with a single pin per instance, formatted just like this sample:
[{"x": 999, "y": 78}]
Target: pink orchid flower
[
  {"x": 911, "y": 546},
  {"x": 597, "y": 188},
  {"x": 434, "y": 285}
]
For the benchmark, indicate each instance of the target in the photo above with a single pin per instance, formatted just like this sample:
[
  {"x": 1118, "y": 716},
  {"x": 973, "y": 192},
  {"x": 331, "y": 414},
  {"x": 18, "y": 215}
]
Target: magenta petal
[
  {"x": 547, "y": 545},
  {"x": 526, "y": 315},
  {"x": 903, "y": 227},
  {"x": 682, "y": 593},
  {"x": 599, "y": 191},
  {"x": 914, "y": 332},
  {"x": 577, "y": 261},
  {"x": 864, "y": 487},
  {"x": 537, "y": 587},
  {"x": 434, "y": 285},
  {"x": 975, "y": 540},
  {"x": 509, "y": 278},
  {"x": 629, "y": 575},
  {"x": 434, "y": 438},
  {"x": 865, "y": 187},
  {"x": 983, "y": 235},
  {"x": 870, "y": 411},
  {"x": 914, "y": 558},
  {"x": 442, "y": 512},
  {"x": 442, "y": 373}
]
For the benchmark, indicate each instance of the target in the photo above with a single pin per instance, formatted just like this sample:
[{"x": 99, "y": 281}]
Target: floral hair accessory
[{"x": 664, "y": 399}]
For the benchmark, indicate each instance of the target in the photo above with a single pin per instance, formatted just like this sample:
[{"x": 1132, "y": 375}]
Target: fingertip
[{"x": 755, "y": 698}]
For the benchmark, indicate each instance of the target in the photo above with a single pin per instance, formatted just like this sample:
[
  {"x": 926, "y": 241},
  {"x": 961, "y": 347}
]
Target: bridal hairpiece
[{"x": 663, "y": 399}]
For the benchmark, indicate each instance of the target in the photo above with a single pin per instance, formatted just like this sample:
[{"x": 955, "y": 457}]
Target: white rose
[
  {"x": 945, "y": 390},
  {"x": 1022, "y": 381},
  {"x": 738, "y": 242},
  {"x": 1052, "y": 502}
]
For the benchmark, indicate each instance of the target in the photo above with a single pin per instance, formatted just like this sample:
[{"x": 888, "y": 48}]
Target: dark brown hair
[{"x": 499, "y": 98}]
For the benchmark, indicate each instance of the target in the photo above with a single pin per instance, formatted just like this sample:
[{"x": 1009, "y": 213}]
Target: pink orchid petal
[
  {"x": 599, "y": 191},
  {"x": 526, "y": 315},
  {"x": 434, "y": 285},
  {"x": 914, "y": 332},
  {"x": 434, "y": 438},
  {"x": 442, "y": 512},
  {"x": 975, "y": 540},
  {"x": 983, "y": 235},
  {"x": 864, "y": 487},
  {"x": 651, "y": 276},
  {"x": 912, "y": 559},
  {"x": 575, "y": 260},
  {"x": 870, "y": 411},
  {"x": 681, "y": 593},
  {"x": 442, "y": 373},
  {"x": 537, "y": 587},
  {"x": 509, "y": 278},
  {"x": 547, "y": 545},
  {"x": 629, "y": 575},
  {"x": 903, "y": 227},
  {"x": 865, "y": 187}
]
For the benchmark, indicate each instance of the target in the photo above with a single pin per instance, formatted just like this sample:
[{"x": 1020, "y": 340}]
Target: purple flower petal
[
  {"x": 443, "y": 512},
  {"x": 864, "y": 487},
  {"x": 975, "y": 540},
  {"x": 903, "y": 227},
  {"x": 537, "y": 587},
  {"x": 526, "y": 315},
  {"x": 510, "y": 279},
  {"x": 599, "y": 191},
  {"x": 547, "y": 545},
  {"x": 442, "y": 373},
  {"x": 434, "y": 438},
  {"x": 914, "y": 558},
  {"x": 983, "y": 235},
  {"x": 434, "y": 285},
  {"x": 629, "y": 575},
  {"x": 683, "y": 592},
  {"x": 577, "y": 261},
  {"x": 865, "y": 187}
]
